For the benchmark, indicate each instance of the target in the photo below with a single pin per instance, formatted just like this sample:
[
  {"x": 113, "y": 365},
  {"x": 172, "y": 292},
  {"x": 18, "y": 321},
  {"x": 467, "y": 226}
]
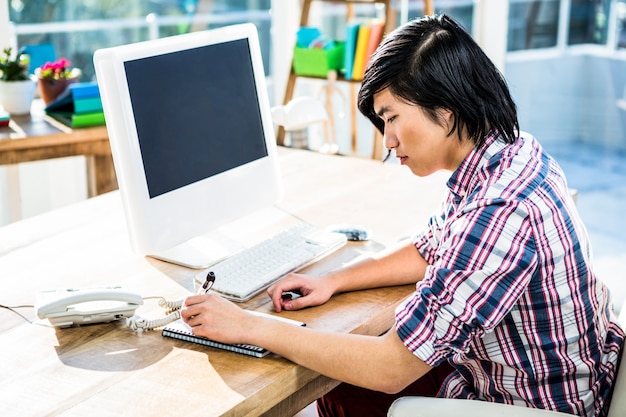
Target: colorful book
[
  {"x": 5, "y": 118},
  {"x": 85, "y": 89},
  {"x": 75, "y": 92},
  {"x": 79, "y": 119},
  {"x": 359, "y": 52},
  {"x": 376, "y": 35},
  {"x": 352, "y": 31},
  {"x": 87, "y": 105},
  {"x": 79, "y": 105}
]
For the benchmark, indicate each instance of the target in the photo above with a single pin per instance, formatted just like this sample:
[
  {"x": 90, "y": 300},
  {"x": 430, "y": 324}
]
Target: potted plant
[
  {"x": 16, "y": 87},
  {"x": 54, "y": 77}
]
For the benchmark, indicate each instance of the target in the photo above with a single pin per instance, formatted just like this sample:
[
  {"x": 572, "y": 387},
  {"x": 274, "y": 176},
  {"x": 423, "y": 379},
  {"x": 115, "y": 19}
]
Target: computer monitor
[{"x": 191, "y": 135}]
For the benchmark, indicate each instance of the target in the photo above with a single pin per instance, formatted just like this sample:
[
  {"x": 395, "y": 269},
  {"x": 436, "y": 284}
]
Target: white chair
[{"x": 447, "y": 407}]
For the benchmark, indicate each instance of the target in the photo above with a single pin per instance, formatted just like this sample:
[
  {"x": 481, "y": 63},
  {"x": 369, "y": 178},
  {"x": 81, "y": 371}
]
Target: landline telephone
[{"x": 77, "y": 306}]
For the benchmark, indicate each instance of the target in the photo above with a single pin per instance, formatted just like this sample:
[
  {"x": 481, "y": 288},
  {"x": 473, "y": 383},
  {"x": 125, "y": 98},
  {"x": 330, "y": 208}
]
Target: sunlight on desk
[{"x": 107, "y": 370}]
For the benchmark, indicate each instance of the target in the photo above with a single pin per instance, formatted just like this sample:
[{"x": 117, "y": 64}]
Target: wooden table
[
  {"x": 108, "y": 370},
  {"x": 35, "y": 137}
]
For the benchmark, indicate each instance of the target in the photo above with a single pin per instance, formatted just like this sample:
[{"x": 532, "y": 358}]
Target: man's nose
[{"x": 389, "y": 139}]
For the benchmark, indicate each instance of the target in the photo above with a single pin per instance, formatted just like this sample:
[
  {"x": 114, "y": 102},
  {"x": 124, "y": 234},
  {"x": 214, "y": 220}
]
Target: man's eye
[{"x": 391, "y": 119}]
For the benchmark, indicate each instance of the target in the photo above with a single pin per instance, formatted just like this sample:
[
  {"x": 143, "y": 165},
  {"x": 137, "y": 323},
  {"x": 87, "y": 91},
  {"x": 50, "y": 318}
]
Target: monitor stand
[{"x": 198, "y": 253}]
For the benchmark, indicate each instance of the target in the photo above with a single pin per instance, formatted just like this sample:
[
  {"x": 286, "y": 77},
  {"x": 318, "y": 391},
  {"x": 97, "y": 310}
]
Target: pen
[{"x": 208, "y": 283}]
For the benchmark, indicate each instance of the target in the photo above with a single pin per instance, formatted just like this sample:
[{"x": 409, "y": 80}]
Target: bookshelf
[{"x": 389, "y": 25}]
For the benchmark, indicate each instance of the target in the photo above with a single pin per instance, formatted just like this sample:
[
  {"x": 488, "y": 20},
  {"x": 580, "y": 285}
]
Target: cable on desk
[
  {"x": 135, "y": 323},
  {"x": 13, "y": 309}
]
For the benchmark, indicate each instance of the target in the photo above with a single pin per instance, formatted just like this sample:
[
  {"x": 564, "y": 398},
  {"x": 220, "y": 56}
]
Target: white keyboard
[{"x": 247, "y": 273}]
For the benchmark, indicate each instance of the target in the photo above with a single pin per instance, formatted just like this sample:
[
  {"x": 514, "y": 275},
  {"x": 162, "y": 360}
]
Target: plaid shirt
[{"x": 509, "y": 296}]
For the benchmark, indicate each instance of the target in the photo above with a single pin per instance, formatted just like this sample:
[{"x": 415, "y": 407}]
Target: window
[
  {"x": 77, "y": 28},
  {"x": 533, "y": 24},
  {"x": 461, "y": 10},
  {"x": 588, "y": 21},
  {"x": 620, "y": 15}
]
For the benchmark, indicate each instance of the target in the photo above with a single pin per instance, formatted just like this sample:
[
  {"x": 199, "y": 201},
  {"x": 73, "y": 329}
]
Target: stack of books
[
  {"x": 78, "y": 106},
  {"x": 362, "y": 39},
  {"x": 5, "y": 118}
]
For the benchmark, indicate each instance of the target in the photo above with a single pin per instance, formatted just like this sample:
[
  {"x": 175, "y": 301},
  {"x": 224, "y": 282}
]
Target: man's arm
[
  {"x": 405, "y": 265},
  {"x": 380, "y": 363}
]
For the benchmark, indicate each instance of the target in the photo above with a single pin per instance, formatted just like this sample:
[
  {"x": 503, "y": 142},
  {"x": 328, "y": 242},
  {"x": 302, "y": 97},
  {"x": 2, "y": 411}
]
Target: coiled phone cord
[{"x": 138, "y": 323}]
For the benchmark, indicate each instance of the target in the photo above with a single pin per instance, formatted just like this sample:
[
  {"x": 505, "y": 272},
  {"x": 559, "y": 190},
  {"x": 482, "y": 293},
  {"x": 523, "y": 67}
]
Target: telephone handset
[
  {"x": 68, "y": 307},
  {"x": 76, "y": 306}
]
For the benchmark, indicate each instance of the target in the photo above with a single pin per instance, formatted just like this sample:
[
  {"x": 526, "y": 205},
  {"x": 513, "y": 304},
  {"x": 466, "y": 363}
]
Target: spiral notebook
[{"x": 180, "y": 330}]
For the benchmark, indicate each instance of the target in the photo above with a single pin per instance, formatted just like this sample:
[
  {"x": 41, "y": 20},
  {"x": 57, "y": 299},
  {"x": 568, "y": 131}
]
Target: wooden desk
[
  {"x": 107, "y": 370},
  {"x": 35, "y": 137}
]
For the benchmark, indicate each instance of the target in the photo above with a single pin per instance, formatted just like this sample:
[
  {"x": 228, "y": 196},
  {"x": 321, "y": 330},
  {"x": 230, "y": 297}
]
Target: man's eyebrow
[{"x": 382, "y": 111}]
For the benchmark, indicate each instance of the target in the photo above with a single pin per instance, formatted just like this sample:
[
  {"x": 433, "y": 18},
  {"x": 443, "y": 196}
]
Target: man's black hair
[{"x": 434, "y": 63}]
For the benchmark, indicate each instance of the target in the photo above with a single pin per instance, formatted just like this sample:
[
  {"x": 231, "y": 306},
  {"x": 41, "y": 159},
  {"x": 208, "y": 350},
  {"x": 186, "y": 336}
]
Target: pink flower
[{"x": 58, "y": 69}]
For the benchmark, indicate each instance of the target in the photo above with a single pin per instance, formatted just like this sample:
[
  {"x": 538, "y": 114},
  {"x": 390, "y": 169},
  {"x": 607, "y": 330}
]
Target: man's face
[{"x": 419, "y": 142}]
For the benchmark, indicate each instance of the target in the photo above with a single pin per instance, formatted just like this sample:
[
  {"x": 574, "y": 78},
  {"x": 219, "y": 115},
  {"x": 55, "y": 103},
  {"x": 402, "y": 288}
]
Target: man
[{"x": 505, "y": 292}]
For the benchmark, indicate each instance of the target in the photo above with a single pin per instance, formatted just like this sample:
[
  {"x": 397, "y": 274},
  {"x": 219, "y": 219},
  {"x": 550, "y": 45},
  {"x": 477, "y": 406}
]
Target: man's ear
[
  {"x": 449, "y": 115},
  {"x": 446, "y": 117}
]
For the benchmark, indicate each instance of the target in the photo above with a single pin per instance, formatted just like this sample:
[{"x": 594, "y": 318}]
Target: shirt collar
[{"x": 464, "y": 176}]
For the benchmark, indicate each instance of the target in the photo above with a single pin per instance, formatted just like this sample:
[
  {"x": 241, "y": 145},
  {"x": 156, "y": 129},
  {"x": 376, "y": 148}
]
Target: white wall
[
  {"x": 570, "y": 95},
  {"x": 491, "y": 18},
  {"x": 32, "y": 188}
]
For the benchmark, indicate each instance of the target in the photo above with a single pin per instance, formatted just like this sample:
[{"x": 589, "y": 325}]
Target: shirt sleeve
[
  {"x": 427, "y": 240},
  {"x": 484, "y": 260}
]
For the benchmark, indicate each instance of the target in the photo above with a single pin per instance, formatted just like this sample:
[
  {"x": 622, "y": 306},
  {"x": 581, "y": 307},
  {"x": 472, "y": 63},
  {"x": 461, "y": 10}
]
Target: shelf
[{"x": 389, "y": 25}]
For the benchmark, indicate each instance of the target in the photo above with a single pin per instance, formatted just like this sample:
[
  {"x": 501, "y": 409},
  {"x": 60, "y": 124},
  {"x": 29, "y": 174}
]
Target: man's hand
[
  {"x": 216, "y": 318},
  {"x": 312, "y": 291}
]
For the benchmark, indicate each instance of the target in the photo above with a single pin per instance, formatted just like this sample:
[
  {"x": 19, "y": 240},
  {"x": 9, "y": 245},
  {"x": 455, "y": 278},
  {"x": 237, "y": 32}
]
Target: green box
[{"x": 317, "y": 62}]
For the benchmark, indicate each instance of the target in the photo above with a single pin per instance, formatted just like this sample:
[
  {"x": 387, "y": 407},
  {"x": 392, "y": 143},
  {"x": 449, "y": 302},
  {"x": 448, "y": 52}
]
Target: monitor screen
[
  {"x": 187, "y": 137},
  {"x": 191, "y": 135}
]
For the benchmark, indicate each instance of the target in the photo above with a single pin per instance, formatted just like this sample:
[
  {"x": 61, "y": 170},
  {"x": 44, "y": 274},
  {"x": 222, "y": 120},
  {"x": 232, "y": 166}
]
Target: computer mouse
[{"x": 353, "y": 232}]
